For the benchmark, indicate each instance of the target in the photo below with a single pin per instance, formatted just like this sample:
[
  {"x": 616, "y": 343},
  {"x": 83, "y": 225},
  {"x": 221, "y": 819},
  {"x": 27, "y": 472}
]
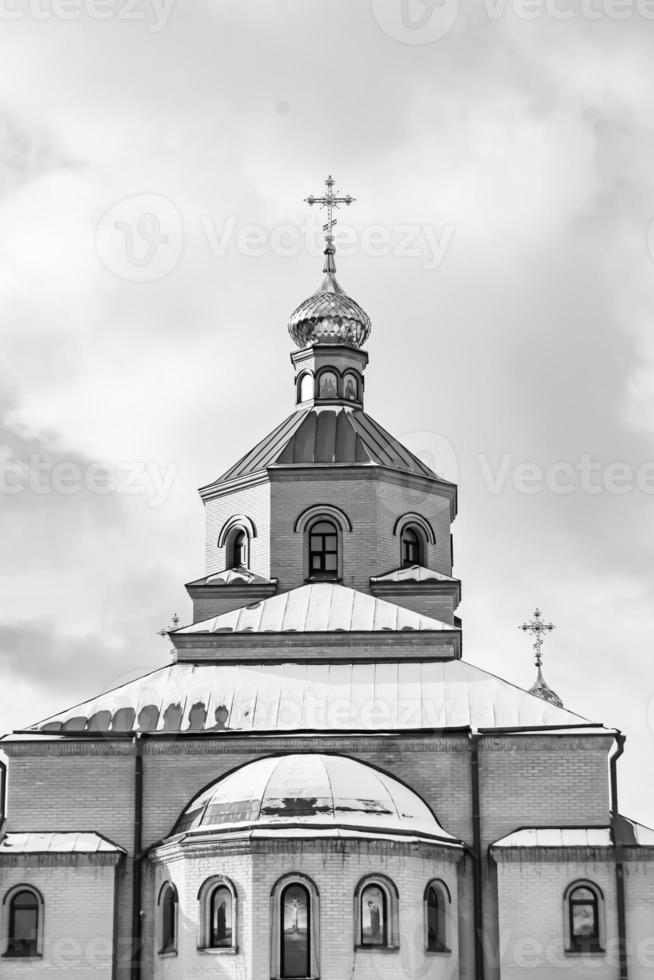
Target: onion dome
[
  {"x": 323, "y": 792},
  {"x": 329, "y": 316}
]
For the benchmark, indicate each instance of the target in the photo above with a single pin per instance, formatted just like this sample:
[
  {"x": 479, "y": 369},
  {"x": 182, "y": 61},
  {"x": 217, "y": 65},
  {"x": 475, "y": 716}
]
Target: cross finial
[
  {"x": 174, "y": 623},
  {"x": 537, "y": 628},
  {"x": 330, "y": 201}
]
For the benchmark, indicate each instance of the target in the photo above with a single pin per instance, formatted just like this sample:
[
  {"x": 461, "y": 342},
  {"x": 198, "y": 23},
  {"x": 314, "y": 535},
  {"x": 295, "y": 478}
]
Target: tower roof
[{"x": 329, "y": 436}]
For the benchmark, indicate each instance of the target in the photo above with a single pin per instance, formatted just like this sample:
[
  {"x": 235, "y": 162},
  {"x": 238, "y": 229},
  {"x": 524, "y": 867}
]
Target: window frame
[
  {"x": 8, "y": 905},
  {"x": 596, "y": 943},
  {"x": 439, "y": 888},
  {"x": 311, "y": 379},
  {"x": 358, "y": 382},
  {"x": 392, "y": 924},
  {"x": 206, "y": 895},
  {"x": 168, "y": 888},
  {"x": 318, "y": 390},
  {"x": 324, "y": 575},
  {"x": 419, "y": 544},
  {"x": 277, "y": 921}
]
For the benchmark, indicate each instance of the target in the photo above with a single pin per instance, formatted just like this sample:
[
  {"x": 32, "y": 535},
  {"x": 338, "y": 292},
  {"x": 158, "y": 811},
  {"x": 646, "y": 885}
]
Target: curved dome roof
[
  {"x": 329, "y": 317},
  {"x": 322, "y": 792}
]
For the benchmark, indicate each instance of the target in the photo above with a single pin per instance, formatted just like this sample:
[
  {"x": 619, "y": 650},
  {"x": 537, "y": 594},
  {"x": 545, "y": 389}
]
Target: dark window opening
[
  {"x": 435, "y": 920},
  {"x": 239, "y": 550},
  {"x": 295, "y": 937},
  {"x": 351, "y": 388},
  {"x": 323, "y": 550},
  {"x": 169, "y": 922},
  {"x": 374, "y": 917},
  {"x": 410, "y": 548},
  {"x": 328, "y": 385},
  {"x": 23, "y": 924},
  {"x": 584, "y": 919},
  {"x": 222, "y": 929}
]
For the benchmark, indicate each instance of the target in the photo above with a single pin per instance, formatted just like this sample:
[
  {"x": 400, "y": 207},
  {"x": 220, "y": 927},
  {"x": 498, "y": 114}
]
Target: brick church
[{"x": 319, "y": 786}]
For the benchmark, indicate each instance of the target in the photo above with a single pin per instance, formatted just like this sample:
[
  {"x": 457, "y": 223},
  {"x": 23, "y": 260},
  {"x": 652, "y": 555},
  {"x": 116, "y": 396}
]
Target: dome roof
[
  {"x": 329, "y": 317},
  {"x": 322, "y": 792}
]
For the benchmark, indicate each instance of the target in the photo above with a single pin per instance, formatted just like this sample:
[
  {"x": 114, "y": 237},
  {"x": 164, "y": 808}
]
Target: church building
[{"x": 319, "y": 786}]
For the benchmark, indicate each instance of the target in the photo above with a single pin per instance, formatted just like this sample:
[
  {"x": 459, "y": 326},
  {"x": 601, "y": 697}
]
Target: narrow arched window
[
  {"x": 374, "y": 916},
  {"x": 23, "y": 924},
  {"x": 328, "y": 385},
  {"x": 295, "y": 937},
  {"x": 351, "y": 388},
  {"x": 436, "y": 901},
  {"x": 306, "y": 388},
  {"x": 168, "y": 903},
  {"x": 222, "y": 929},
  {"x": 323, "y": 550},
  {"x": 411, "y": 547},
  {"x": 584, "y": 918},
  {"x": 239, "y": 549}
]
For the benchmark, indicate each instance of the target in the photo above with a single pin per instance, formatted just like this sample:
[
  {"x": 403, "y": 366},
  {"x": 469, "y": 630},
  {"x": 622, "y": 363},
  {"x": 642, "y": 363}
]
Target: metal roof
[
  {"x": 287, "y": 697},
  {"x": 413, "y": 573},
  {"x": 326, "y": 436},
  {"x": 57, "y": 843},
  {"x": 232, "y": 576},
  {"x": 557, "y": 837},
  {"x": 310, "y": 790},
  {"x": 320, "y": 607}
]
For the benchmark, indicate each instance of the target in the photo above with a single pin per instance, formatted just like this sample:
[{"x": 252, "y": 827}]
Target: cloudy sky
[{"x": 153, "y": 242}]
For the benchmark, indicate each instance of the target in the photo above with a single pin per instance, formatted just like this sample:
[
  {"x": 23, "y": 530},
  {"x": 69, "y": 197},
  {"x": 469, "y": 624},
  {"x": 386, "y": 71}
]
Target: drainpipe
[
  {"x": 476, "y": 857},
  {"x": 137, "y": 928},
  {"x": 619, "y": 863}
]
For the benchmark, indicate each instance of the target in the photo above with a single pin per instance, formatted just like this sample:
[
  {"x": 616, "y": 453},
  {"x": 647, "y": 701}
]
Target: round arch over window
[
  {"x": 583, "y": 918},
  {"x": 376, "y": 916},
  {"x": 217, "y": 920},
  {"x": 168, "y": 910},
  {"x": 24, "y": 909},
  {"x": 295, "y": 918},
  {"x": 437, "y": 901},
  {"x": 235, "y": 537}
]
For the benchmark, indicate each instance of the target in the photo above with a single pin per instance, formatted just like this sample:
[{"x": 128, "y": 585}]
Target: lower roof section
[
  {"x": 301, "y": 697},
  {"x": 69, "y": 842}
]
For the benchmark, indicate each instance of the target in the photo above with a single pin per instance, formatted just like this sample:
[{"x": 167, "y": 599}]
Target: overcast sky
[{"x": 153, "y": 242}]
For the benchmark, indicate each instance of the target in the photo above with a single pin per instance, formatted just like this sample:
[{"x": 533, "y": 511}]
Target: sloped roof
[
  {"x": 413, "y": 573},
  {"x": 57, "y": 843},
  {"x": 557, "y": 837},
  {"x": 318, "y": 608},
  {"x": 232, "y": 576},
  {"x": 324, "y": 436},
  {"x": 286, "y": 697}
]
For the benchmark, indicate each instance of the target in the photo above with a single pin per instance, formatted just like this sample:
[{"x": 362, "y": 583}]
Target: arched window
[
  {"x": 25, "y": 914},
  {"x": 295, "y": 919},
  {"x": 351, "y": 388},
  {"x": 583, "y": 902},
  {"x": 217, "y": 914},
  {"x": 411, "y": 547},
  {"x": 238, "y": 549},
  {"x": 376, "y": 911},
  {"x": 328, "y": 385},
  {"x": 305, "y": 388},
  {"x": 168, "y": 918},
  {"x": 221, "y": 918},
  {"x": 437, "y": 899},
  {"x": 374, "y": 916},
  {"x": 323, "y": 550}
]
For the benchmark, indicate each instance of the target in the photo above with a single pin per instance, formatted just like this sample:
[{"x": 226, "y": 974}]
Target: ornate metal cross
[
  {"x": 330, "y": 201},
  {"x": 537, "y": 628}
]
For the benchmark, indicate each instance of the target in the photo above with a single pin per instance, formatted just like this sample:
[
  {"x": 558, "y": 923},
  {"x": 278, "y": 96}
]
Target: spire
[
  {"x": 538, "y": 628},
  {"x": 330, "y": 201}
]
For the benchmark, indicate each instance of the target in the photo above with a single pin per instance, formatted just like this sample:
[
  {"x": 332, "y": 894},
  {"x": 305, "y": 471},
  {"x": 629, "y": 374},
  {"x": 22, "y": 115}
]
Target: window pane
[
  {"x": 330, "y": 563},
  {"x": 583, "y": 920},
  {"x": 435, "y": 920},
  {"x": 323, "y": 527},
  {"x": 327, "y": 386},
  {"x": 373, "y": 916},
  {"x": 221, "y": 918},
  {"x": 350, "y": 388},
  {"x": 295, "y": 931},
  {"x": 168, "y": 920},
  {"x": 306, "y": 387}
]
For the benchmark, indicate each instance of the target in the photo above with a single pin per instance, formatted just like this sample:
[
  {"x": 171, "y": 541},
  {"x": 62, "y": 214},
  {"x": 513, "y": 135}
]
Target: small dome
[
  {"x": 323, "y": 792},
  {"x": 329, "y": 317}
]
